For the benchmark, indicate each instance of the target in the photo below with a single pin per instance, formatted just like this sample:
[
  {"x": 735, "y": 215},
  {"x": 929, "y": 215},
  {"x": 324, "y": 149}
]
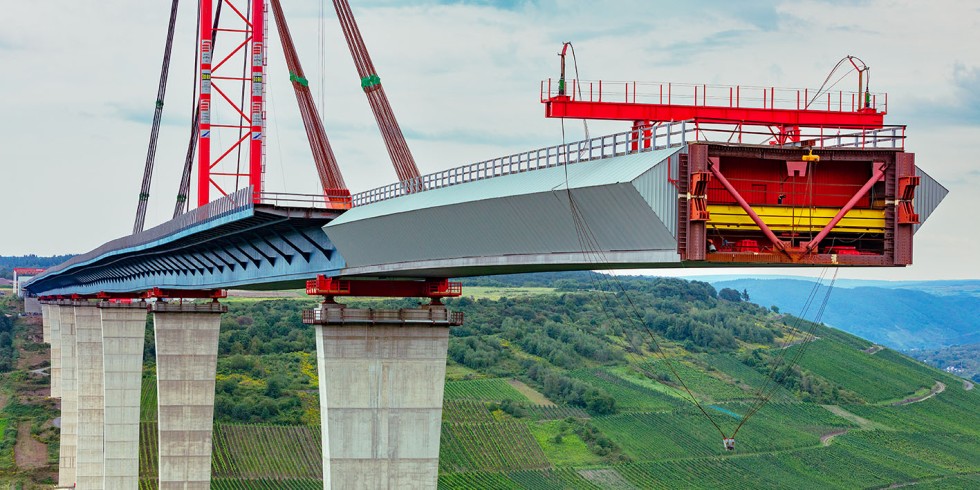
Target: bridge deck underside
[{"x": 255, "y": 248}]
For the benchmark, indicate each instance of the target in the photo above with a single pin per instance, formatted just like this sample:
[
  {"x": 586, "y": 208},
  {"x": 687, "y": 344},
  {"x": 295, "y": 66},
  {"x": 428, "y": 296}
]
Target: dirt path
[
  {"x": 862, "y": 422},
  {"x": 535, "y": 396},
  {"x": 828, "y": 437},
  {"x": 874, "y": 349},
  {"x": 967, "y": 385},
  {"x": 40, "y": 372},
  {"x": 937, "y": 389},
  {"x": 28, "y": 452}
]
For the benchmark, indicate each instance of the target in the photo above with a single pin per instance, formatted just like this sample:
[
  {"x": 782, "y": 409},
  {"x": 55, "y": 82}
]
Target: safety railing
[
  {"x": 889, "y": 137},
  {"x": 892, "y": 137},
  {"x": 371, "y": 315},
  {"x": 734, "y": 96},
  {"x": 645, "y": 139},
  {"x": 336, "y": 201},
  {"x": 237, "y": 201}
]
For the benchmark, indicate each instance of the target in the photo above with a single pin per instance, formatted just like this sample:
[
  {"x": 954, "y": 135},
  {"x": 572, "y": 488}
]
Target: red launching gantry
[{"x": 751, "y": 188}]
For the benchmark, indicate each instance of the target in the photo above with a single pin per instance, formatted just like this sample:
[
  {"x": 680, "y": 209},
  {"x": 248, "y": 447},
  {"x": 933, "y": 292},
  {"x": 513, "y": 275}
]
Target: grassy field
[{"x": 562, "y": 446}]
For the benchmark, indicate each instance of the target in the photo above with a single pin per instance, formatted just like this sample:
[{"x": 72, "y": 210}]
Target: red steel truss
[
  {"x": 246, "y": 133},
  {"x": 784, "y": 111}
]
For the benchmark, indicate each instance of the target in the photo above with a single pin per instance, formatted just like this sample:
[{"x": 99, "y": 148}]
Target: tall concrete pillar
[
  {"x": 382, "y": 376},
  {"x": 69, "y": 396},
  {"x": 123, "y": 331},
  {"x": 187, "y": 354},
  {"x": 45, "y": 323},
  {"x": 88, "y": 342},
  {"x": 55, "y": 341}
]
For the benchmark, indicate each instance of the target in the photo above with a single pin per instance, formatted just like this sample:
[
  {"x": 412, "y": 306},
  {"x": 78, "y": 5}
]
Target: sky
[{"x": 79, "y": 81}]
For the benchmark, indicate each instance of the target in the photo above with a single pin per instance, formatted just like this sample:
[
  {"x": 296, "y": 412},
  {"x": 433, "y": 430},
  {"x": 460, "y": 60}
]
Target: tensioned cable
[
  {"x": 151, "y": 151},
  {"x": 590, "y": 245},
  {"x": 807, "y": 340}
]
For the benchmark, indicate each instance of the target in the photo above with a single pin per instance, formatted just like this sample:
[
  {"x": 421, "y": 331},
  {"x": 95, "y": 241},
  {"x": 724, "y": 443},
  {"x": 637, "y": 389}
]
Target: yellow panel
[{"x": 787, "y": 218}]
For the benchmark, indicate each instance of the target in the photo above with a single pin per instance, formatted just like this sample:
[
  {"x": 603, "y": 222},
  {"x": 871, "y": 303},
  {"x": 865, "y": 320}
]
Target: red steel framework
[
  {"x": 430, "y": 288},
  {"x": 783, "y": 111},
  {"x": 249, "y": 130}
]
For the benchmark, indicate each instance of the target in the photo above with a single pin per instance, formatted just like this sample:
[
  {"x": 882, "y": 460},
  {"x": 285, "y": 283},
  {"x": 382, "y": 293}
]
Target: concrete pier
[
  {"x": 123, "y": 332},
  {"x": 69, "y": 396},
  {"x": 54, "y": 319},
  {"x": 45, "y": 323},
  {"x": 187, "y": 354},
  {"x": 88, "y": 345},
  {"x": 382, "y": 377}
]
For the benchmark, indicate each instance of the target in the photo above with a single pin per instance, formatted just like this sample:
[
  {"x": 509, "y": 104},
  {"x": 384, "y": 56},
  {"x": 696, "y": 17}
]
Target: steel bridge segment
[
  {"x": 248, "y": 246},
  {"x": 522, "y": 222},
  {"x": 501, "y": 216}
]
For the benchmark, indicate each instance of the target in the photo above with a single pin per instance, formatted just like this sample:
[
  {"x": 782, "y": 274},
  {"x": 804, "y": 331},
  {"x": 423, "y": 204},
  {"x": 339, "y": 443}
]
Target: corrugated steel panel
[
  {"x": 532, "y": 223},
  {"x": 928, "y": 196},
  {"x": 580, "y": 175},
  {"x": 655, "y": 187}
]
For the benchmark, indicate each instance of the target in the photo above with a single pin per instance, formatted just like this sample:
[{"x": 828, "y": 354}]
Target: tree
[{"x": 729, "y": 294}]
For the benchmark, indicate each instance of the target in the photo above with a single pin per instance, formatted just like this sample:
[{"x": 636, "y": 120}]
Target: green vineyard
[
  {"x": 511, "y": 423},
  {"x": 483, "y": 389},
  {"x": 629, "y": 395},
  {"x": 489, "y": 446}
]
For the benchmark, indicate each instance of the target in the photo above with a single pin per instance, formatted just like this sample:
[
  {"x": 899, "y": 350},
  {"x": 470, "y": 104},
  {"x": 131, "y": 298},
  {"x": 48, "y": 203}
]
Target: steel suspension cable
[
  {"x": 398, "y": 151},
  {"x": 777, "y": 361},
  {"x": 151, "y": 150},
  {"x": 807, "y": 340},
  {"x": 634, "y": 318},
  {"x": 590, "y": 247},
  {"x": 326, "y": 162}
]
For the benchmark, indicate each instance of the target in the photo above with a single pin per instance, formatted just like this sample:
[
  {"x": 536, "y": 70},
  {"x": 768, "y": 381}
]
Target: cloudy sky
[{"x": 79, "y": 80}]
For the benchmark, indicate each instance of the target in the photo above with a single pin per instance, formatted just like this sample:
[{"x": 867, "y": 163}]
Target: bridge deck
[{"x": 616, "y": 201}]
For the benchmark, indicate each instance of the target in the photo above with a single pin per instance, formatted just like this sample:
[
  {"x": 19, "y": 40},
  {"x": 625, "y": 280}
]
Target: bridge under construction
[{"x": 705, "y": 176}]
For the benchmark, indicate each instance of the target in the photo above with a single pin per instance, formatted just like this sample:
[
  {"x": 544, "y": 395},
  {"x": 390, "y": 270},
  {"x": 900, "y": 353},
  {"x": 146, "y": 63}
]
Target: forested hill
[
  {"x": 903, "y": 316},
  {"x": 560, "y": 381},
  {"x": 7, "y": 264}
]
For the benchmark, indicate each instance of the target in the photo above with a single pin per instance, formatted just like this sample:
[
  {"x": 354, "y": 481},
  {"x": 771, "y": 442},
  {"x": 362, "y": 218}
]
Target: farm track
[
  {"x": 937, "y": 389},
  {"x": 827, "y": 438}
]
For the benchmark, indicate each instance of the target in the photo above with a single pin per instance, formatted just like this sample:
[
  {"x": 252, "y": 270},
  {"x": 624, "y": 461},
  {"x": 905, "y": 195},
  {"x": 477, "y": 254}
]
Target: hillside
[
  {"x": 961, "y": 360},
  {"x": 909, "y": 315},
  {"x": 550, "y": 385},
  {"x": 9, "y": 263},
  {"x": 554, "y": 383}
]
